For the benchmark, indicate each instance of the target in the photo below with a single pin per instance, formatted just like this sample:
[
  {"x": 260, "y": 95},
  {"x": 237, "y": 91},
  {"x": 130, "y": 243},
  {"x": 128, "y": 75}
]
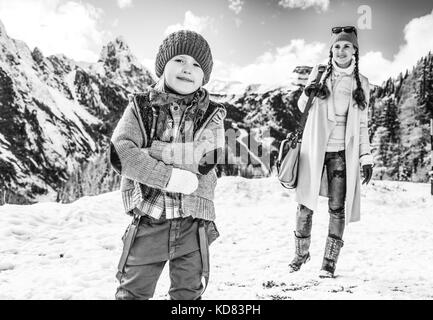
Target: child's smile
[
  {"x": 183, "y": 74},
  {"x": 183, "y": 78}
]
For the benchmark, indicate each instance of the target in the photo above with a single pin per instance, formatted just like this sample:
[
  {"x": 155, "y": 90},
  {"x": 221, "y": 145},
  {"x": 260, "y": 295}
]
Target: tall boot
[
  {"x": 332, "y": 250},
  {"x": 302, "y": 255}
]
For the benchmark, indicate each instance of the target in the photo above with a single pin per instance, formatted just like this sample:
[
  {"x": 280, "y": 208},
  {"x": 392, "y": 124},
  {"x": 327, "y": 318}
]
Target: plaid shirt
[
  {"x": 145, "y": 175},
  {"x": 154, "y": 202}
]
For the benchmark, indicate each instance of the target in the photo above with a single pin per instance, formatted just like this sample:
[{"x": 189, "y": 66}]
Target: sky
[{"x": 252, "y": 41}]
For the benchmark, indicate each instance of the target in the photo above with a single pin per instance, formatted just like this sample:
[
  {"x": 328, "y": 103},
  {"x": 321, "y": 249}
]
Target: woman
[{"x": 334, "y": 144}]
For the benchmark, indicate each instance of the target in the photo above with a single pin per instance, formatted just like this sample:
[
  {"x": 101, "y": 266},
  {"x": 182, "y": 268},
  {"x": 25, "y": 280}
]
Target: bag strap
[{"x": 310, "y": 98}]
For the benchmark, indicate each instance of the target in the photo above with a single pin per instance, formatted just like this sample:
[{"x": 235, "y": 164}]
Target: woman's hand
[
  {"x": 312, "y": 88},
  {"x": 367, "y": 171}
]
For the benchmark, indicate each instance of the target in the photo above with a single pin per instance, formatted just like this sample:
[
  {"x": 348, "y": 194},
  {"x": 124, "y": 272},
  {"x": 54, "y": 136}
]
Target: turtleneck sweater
[{"x": 341, "y": 82}]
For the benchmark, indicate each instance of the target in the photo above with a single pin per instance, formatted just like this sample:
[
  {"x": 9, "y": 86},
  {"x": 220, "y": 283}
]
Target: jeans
[{"x": 335, "y": 163}]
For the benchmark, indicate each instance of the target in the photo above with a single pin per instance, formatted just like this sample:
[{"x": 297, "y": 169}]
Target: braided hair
[{"x": 358, "y": 93}]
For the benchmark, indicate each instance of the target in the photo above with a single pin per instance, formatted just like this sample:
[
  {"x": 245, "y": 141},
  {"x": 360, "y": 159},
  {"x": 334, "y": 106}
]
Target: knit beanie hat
[
  {"x": 185, "y": 42},
  {"x": 344, "y": 36}
]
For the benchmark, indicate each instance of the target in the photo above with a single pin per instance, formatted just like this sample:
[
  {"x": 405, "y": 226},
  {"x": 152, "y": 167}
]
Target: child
[
  {"x": 334, "y": 144},
  {"x": 165, "y": 147}
]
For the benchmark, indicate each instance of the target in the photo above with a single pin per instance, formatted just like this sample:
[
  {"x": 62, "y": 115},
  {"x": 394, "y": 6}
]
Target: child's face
[
  {"x": 183, "y": 74},
  {"x": 342, "y": 52}
]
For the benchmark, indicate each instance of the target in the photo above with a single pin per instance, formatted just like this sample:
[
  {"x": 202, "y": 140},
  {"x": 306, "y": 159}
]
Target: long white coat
[{"x": 312, "y": 177}]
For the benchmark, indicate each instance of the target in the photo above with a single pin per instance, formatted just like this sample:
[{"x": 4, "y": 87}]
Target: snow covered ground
[{"x": 70, "y": 251}]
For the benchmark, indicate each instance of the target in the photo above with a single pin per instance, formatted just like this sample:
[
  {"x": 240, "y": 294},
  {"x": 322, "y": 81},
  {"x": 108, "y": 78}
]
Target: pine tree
[{"x": 89, "y": 178}]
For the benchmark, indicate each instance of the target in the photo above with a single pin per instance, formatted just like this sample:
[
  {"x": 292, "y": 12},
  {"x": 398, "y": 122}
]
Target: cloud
[
  {"x": 375, "y": 67},
  {"x": 320, "y": 5},
  {"x": 149, "y": 64},
  {"x": 418, "y": 42},
  {"x": 55, "y": 26},
  {"x": 191, "y": 22},
  {"x": 124, "y": 3},
  {"x": 236, "y": 5},
  {"x": 274, "y": 67},
  {"x": 238, "y": 22}
]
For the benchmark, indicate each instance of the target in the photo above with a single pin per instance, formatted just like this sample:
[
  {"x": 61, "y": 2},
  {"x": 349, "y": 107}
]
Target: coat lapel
[
  {"x": 352, "y": 118},
  {"x": 330, "y": 102}
]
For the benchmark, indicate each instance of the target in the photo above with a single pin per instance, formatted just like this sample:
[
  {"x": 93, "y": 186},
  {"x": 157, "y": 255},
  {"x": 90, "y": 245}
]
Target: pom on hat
[{"x": 185, "y": 42}]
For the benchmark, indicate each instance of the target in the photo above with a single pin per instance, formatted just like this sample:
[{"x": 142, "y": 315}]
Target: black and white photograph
[{"x": 236, "y": 150}]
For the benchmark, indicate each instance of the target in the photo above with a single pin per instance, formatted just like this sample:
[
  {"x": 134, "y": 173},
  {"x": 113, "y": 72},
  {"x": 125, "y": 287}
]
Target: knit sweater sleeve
[
  {"x": 199, "y": 156},
  {"x": 127, "y": 156}
]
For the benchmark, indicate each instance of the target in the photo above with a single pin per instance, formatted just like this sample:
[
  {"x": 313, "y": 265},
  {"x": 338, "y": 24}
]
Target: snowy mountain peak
[
  {"x": 2, "y": 30},
  {"x": 120, "y": 42},
  {"x": 116, "y": 49},
  {"x": 117, "y": 63}
]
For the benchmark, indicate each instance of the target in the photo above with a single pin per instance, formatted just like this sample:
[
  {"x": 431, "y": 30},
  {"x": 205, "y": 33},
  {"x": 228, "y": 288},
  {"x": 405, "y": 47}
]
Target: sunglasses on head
[{"x": 347, "y": 29}]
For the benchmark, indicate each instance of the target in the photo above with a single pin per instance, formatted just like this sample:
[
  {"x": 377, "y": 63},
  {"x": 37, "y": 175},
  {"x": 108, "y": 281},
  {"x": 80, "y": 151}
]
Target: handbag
[{"x": 290, "y": 148}]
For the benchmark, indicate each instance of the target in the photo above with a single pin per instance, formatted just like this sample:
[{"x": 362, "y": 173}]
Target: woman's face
[
  {"x": 342, "y": 53},
  {"x": 183, "y": 74}
]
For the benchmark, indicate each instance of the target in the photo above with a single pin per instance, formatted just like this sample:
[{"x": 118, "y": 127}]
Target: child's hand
[{"x": 182, "y": 181}]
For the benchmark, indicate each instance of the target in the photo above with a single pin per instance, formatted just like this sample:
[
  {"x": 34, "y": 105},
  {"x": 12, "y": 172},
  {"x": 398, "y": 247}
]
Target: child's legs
[
  {"x": 185, "y": 276},
  {"x": 139, "y": 282},
  {"x": 304, "y": 221},
  {"x": 336, "y": 169}
]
